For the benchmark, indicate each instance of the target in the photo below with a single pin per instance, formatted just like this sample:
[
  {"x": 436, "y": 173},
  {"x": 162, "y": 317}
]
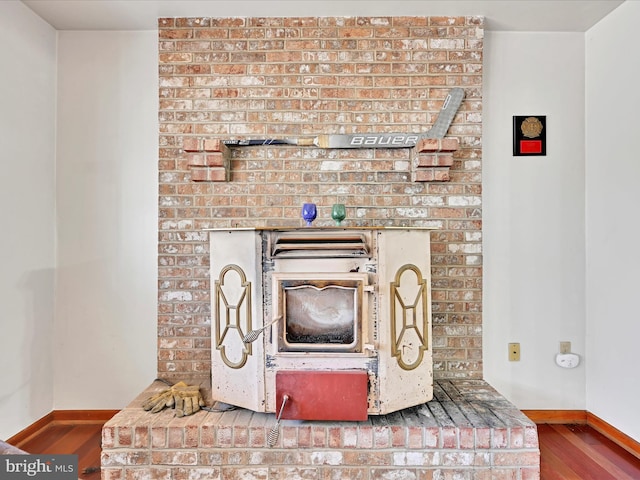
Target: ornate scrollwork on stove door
[
  {"x": 409, "y": 316},
  {"x": 232, "y": 316}
]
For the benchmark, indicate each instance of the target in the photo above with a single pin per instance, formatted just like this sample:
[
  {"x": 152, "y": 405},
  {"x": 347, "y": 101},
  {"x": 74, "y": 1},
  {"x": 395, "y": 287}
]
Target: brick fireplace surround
[{"x": 223, "y": 78}]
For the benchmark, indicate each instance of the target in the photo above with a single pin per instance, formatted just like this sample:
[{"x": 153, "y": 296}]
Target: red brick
[
  {"x": 349, "y": 437},
  {"x": 432, "y": 160},
  {"x": 428, "y": 145},
  {"x": 304, "y": 437},
  {"x": 398, "y": 436},
  {"x": 483, "y": 438},
  {"x": 241, "y": 436},
  {"x": 430, "y": 174},
  {"x": 214, "y": 145},
  {"x": 356, "y": 473},
  {"x": 112, "y": 473},
  {"x": 499, "y": 438},
  {"x": 235, "y": 457},
  {"x": 530, "y": 473},
  {"x": 385, "y": 473},
  {"x": 211, "y": 457},
  {"x": 174, "y": 457},
  {"x": 224, "y": 436},
  {"x": 365, "y": 437},
  {"x": 191, "y": 434},
  {"x": 193, "y": 473},
  {"x": 516, "y": 459},
  {"x": 449, "y": 437},
  {"x": 141, "y": 438},
  {"x": 381, "y": 437},
  {"x": 502, "y": 474},
  {"x": 516, "y": 437},
  {"x": 447, "y": 144},
  {"x": 175, "y": 437},
  {"x": 257, "y": 436},
  {"x": 433, "y": 439},
  {"x": 415, "y": 438},
  {"x": 319, "y": 436},
  {"x": 191, "y": 144},
  {"x": 143, "y": 473},
  {"x": 335, "y": 437},
  {"x": 196, "y": 159},
  {"x": 467, "y": 438},
  {"x": 218, "y": 160},
  {"x": 175, "y": 57},
  {"x": 209, "y": 174},
  {"x": 158, "y": 437},
  {"x": 287, "y": 437},
  {"x": 108, "y": 436},
  {"x": 125, "y": 436},
  {"x": 531, "y": 437}
]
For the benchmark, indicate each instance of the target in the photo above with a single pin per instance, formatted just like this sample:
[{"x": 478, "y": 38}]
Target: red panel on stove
[{"x": 323, "y": 395}]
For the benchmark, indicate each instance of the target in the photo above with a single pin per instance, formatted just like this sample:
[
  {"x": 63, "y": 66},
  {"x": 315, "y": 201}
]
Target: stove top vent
[{"x": 319, "y": 244}]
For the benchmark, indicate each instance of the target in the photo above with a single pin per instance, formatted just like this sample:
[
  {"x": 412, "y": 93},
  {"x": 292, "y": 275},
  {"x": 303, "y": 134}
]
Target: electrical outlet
[
  {"x": 514, "y": 352},
  {"x": 565, "y": 347}
]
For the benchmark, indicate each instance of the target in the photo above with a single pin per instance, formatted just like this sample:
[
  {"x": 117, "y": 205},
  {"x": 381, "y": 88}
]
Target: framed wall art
[{"x": 529, "y": 135}]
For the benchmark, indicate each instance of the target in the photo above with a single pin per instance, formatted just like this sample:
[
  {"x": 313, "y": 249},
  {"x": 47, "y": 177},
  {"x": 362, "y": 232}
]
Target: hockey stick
[{"x": 371, "y": 140}]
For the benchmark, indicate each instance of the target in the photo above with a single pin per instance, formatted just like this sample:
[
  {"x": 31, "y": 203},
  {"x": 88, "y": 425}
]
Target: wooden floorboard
[
  {"x": 553, "y": 467},
  {"x": 83, "y": 439},
  {"x": 46, "y": 437},
  {"x": 568, "y": 452}
]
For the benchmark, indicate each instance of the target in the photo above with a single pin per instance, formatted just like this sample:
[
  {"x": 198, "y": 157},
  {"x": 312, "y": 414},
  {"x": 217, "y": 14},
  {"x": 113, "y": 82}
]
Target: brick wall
[{"x": 223, "y": 78}]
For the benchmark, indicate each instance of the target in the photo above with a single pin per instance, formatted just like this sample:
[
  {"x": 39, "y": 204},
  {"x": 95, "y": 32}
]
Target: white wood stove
[{"x": 321, "y": 323}]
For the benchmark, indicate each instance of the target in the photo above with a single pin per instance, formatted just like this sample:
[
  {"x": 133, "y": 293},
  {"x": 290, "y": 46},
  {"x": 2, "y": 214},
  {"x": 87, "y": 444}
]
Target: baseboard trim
[
  {"x": 557, "y": 416},
  {"x": 25, "y": 434},
  {"x": 583, "y": 417},
  {"x": 613, "y": 434},
  {"x": 83, "y": 416},
  {"x": 61, "y": 417}
]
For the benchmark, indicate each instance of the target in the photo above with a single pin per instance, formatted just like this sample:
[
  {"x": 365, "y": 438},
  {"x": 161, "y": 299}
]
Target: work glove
[
  {"x": 163, "y": 399},
  {"x": 188, "y": 400}
]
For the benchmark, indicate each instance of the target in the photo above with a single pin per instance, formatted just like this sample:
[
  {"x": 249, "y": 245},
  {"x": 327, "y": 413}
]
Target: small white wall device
[{"x": 567, "y": 360}]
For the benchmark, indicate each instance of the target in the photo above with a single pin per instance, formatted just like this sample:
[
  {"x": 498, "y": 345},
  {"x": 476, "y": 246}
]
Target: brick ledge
[
  {"x": 468, "y": 427},
  {"x": 209, "y": 159}
]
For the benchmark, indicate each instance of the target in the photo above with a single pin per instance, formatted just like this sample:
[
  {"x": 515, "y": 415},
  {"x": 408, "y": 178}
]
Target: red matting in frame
[{"x": 529, "y": 135}]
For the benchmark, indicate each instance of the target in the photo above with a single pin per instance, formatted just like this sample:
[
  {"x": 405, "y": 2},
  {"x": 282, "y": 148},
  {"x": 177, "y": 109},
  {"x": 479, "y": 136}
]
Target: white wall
[
  {"x": 105, "y": 338},
  {"x": 27, "y": 215},
  {"x": 613, "y": 226},
  {"x": 534, "y": 254}
]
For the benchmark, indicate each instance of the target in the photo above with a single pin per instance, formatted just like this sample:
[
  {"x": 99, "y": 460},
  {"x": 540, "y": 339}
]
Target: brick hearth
[{"x": 469, "y": 431}]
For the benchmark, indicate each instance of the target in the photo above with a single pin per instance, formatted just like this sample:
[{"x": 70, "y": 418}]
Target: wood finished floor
[
  {"x": 568, "y": 452},
  {"x": 79, "y": 439}
]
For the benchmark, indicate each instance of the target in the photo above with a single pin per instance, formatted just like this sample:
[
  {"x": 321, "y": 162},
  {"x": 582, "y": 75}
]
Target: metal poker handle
[
  {"x": 272, "y": 438},
  {"x": 253, "y": 335}
]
